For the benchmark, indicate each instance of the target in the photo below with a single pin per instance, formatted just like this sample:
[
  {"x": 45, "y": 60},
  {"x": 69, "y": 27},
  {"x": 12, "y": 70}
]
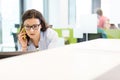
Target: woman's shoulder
[{"x": 51, "y": 33}]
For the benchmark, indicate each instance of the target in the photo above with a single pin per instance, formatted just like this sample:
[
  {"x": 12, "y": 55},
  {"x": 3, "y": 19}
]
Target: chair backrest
[{"x": 113, "y": 33}]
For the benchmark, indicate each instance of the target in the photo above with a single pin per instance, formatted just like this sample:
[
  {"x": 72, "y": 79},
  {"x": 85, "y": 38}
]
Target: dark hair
[
  {"x": 32, "y": 13},
  {"x": 99, "y": 12}
]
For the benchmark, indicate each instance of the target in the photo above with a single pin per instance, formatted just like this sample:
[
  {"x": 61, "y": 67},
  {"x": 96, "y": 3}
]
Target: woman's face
[{"x": 32, "y": 27}]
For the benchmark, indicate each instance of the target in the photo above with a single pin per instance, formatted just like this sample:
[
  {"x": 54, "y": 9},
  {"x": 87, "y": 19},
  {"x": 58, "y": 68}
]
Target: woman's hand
[{"x": 22, "y": 39}]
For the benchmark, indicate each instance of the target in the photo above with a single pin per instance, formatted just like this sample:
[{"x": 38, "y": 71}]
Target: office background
[{"x": 59, "y": 13}]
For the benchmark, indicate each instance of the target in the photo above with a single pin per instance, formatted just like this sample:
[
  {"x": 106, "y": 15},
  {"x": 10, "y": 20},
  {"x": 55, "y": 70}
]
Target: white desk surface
[{"x": 82, "y": 61}]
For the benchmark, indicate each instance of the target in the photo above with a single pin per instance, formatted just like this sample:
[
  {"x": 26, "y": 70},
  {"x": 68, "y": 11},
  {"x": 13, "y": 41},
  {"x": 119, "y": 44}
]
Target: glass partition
[{"x": 10, "y": 15}]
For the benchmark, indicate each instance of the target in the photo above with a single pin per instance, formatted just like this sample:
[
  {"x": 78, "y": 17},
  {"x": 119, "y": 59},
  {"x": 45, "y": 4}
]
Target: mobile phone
[{"x": 24, "y": 31}]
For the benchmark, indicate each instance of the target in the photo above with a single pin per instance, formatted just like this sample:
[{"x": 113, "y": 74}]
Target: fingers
[
  {"x": 21, "y": 36},
  {"x": 22, "y": 40},
  {"x": 23, "y": 30}
]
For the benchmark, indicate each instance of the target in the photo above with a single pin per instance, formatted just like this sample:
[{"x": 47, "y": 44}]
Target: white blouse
[{"x": 48, "y": 39}]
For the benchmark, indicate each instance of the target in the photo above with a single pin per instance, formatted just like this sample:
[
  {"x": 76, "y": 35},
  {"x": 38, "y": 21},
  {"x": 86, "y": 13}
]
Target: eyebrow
[{"x": 31, "y": 25}]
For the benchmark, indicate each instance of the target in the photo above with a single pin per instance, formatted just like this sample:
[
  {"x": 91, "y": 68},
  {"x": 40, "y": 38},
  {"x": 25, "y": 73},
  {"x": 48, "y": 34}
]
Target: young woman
[{"x": 35, "y": 33}]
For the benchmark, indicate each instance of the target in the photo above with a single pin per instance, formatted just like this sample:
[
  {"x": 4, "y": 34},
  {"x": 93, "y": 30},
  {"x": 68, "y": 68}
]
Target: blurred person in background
[{"x": 103, "y": 22}]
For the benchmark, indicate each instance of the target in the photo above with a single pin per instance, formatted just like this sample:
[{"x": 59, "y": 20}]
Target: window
[
  {"x": 10, "y": 15},
  {"x": 71, "y": 12}
]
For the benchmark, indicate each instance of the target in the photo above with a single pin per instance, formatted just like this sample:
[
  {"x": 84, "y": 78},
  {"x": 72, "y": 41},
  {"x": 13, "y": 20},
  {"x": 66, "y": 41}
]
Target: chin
[{"x": 32, "y": 37}]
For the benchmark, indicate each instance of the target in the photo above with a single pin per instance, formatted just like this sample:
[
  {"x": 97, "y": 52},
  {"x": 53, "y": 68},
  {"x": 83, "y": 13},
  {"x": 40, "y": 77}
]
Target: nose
[{"x": 31, "y": 29}]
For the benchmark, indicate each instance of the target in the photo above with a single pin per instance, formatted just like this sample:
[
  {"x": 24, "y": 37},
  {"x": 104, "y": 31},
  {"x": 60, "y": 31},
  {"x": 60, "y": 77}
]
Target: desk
[
  {"x": 4, "y": 55},
  {"x": 81, "y": 61}
]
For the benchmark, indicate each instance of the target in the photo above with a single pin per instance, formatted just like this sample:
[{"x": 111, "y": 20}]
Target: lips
[{"x": 32, "y": 34}]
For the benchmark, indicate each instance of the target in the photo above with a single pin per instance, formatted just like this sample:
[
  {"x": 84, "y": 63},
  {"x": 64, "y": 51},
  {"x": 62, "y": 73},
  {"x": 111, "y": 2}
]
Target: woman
[{"x": 35, "y": 33}]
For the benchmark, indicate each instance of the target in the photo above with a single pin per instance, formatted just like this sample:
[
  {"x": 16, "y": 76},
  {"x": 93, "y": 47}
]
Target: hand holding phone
[
  {"x": 22, "y": 37},
  {"x": 24, "y": 32}
]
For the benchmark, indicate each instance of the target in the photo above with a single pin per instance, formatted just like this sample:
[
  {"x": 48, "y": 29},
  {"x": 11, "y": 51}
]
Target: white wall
[
  {"x": 10, "y": 16},
  {"x": 86, "y": 22},
  {"x": 114, "y": 11},
  {"x": 83, "y": 7},
  {"x": 58, "y": 13},
  {"x": 105, "y": 6},
  {"x": 0, "y": 24},
  {"x": 111, "y": 9},
  {"x": 34, "y": 4}
]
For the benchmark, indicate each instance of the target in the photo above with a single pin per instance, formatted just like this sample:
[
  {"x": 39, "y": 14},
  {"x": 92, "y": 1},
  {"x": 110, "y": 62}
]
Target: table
[{"x": 97, "y": 59}]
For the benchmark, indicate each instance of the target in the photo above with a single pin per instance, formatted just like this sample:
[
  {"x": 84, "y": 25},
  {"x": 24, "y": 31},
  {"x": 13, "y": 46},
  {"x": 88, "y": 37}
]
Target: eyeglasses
[{"x": 34, "y": 27}]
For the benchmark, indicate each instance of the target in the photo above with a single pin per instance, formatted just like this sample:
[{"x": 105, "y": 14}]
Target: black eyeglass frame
[{"x": 34, "y": 27}]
